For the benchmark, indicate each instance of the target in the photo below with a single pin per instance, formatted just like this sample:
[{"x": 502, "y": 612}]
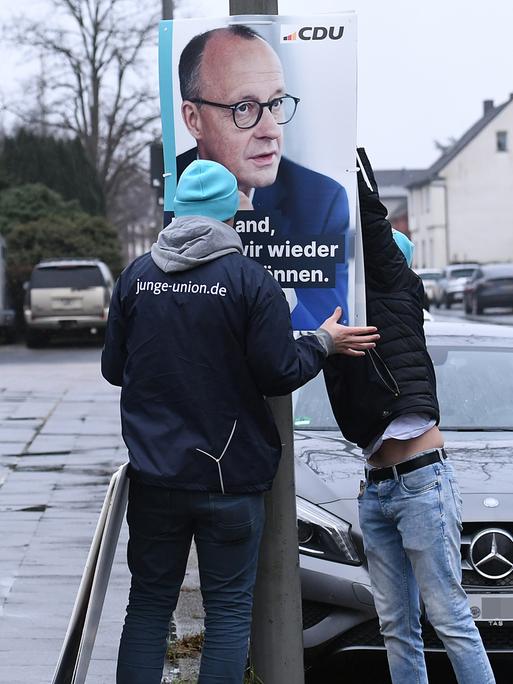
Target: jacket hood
[{"x": 190, "y": 241}]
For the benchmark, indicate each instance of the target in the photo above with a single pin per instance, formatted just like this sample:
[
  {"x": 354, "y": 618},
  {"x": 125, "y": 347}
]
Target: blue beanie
[
  {"x": 207, "y": 188},
  {"x": 405, "y": 245}
]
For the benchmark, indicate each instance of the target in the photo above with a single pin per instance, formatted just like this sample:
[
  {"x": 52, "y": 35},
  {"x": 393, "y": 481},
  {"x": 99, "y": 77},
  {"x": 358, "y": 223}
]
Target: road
[{"x": 495, "y": 316}]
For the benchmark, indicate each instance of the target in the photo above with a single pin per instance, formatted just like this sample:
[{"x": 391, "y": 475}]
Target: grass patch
[{"x": 189, "y": 646}]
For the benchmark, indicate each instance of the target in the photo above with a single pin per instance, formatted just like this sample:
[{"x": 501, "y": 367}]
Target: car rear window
[
  {"x": 67, "y": 276},
  {"x": 462, "y": 273},
  {"x": 497, "y": 272}
]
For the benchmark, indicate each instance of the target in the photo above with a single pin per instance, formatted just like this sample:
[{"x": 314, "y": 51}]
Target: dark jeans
[{"x": 227, "y": 530}]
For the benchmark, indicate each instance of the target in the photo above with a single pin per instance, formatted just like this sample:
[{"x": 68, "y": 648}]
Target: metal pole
[
  {"x": 277, "y": 632},
  {"x": 167, "y": 9}
]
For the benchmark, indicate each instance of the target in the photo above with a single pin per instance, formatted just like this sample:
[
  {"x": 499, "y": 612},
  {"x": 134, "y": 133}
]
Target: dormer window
[{"x": 502, "y": 141}]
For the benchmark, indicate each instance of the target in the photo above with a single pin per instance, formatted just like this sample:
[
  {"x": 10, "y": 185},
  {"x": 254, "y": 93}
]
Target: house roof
[
  {"x": 397, "y": 177},
  {"x": 430, "y": 174}
]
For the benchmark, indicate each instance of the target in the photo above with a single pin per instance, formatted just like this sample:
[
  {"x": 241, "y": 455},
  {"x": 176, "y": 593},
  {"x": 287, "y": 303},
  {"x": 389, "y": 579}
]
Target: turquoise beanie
[
  {"x": 405, "y": 245},
  {"x": 207, "y": 188}
]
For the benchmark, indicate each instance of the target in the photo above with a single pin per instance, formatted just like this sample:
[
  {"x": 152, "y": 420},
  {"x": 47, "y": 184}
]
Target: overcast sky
[{"x": 424, "y": 67}]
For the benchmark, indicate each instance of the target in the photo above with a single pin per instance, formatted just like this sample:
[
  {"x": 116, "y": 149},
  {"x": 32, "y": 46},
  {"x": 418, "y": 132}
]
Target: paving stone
[{"x": 50, "y": 497}]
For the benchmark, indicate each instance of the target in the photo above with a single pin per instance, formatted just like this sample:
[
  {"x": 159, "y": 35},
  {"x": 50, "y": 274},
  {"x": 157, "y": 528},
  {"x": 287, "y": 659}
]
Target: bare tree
[{"x": 96, "y": 87}]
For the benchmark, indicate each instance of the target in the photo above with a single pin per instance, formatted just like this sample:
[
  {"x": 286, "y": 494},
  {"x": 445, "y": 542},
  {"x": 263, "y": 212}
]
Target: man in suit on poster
[{"x": 235, "y": 106}]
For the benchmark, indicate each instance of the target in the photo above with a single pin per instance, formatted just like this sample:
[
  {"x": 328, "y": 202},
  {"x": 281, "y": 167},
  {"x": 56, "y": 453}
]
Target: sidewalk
[{"x": 59, "y": 444}]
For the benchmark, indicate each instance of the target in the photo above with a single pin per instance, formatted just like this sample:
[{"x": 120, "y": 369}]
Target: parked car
[
  {"x": 450, "y": 286},
  {"x": 7, "y": 316},
  {"x": 430, "y": 277},
  {"x": 474, "y": 370},
  {"x": 491, "y": 285},
  {"x": 66, "y": 295}
]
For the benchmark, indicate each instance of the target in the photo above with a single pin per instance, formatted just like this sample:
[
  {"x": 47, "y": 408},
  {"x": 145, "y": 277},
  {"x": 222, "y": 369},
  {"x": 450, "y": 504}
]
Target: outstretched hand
[{"x": 347, "y": 340}]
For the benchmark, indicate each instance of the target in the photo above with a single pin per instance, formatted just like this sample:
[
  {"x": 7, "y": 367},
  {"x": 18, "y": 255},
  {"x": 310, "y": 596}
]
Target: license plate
[
  {"x": 66, "y": 303},
  {"x": 491, "y": 607}
]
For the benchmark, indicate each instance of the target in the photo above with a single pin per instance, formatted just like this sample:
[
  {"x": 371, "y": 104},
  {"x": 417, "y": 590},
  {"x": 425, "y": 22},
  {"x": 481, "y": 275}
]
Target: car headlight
[{"x": 323, "y": 535}]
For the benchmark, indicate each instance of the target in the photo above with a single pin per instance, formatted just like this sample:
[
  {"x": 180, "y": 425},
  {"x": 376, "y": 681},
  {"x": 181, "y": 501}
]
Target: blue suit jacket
[{"x": 310, "y": 204}]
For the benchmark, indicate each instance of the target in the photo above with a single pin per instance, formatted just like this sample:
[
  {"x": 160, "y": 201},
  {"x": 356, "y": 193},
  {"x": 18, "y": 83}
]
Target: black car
[{"x": 490, "y": 286}]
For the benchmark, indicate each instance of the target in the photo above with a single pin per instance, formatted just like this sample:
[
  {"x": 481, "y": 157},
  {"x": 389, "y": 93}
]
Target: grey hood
[{"x": 190, "y": 241}]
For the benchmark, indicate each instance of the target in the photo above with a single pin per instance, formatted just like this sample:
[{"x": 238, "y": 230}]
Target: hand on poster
[{"x": 347, "y": 340}]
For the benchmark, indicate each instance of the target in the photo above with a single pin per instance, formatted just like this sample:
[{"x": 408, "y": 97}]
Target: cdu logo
[{"x": 293, "y": 34}]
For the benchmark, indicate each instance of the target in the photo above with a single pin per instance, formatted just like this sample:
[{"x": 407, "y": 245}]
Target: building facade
[{"x": 461, "y": 208}]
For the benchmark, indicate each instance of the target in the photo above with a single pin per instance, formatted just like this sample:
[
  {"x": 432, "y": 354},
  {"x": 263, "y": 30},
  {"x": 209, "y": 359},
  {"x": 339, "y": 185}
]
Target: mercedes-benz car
[{"x": 474, "y": 370}]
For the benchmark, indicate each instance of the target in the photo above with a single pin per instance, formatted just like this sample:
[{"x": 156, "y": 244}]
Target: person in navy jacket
[
  {"x": 235, "y": 106},
  {"x": 197, "y": 336}
]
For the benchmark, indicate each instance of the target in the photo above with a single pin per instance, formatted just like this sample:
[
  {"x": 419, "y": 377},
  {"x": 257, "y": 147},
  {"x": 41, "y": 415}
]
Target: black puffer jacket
[{"x": 397, "y": 377}]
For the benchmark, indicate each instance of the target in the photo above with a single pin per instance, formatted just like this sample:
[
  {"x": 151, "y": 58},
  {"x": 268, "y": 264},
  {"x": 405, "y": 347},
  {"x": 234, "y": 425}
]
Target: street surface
[{"x": 59, "y": 444}]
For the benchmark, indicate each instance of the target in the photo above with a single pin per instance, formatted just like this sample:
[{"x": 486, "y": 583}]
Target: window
[
  {"x": 76, "y": 277},
  {"x": 502, "y": 141}
]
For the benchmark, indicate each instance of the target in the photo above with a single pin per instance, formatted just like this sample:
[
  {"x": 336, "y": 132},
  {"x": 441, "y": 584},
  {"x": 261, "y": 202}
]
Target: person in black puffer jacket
[{"x": 409, "y": 503}]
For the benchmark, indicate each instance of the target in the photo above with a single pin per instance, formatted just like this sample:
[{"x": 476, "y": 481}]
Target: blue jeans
[
  {"x": 411, "y": 530},
  {"x": 227, "y": 530}
]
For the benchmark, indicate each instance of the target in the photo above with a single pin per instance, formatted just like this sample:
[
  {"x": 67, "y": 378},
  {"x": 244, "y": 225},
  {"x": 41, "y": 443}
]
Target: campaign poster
[{"x": 273, "y": 98}]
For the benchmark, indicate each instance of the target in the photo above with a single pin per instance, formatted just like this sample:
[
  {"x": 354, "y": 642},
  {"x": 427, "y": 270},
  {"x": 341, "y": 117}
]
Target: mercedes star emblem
[
  {"x": 491, "y": 553},
  {"x": 491, "y": 502}
]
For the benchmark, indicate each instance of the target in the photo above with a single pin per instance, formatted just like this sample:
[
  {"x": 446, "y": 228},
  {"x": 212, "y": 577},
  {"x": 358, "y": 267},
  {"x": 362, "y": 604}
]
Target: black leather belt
[{"x": 420, "y": 461}]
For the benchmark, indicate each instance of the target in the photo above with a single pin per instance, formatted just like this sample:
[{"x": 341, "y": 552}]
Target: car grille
[
  {"x": 473, "y": 579},
  {"x": 314, "y": 612},
  {"x": 367, "y": 636}
]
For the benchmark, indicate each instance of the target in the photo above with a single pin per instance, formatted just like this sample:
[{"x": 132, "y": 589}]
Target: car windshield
[
  {"x": 430, "y": 276},
  {"x": 67, "y": 276},
  {"x": 474, "y": 386},
  {"x": 462, "y": 273}
]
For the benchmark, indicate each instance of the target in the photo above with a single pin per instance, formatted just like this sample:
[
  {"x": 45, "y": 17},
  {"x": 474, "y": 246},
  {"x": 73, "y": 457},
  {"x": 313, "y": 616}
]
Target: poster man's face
[{"x": 234, "y": 69}]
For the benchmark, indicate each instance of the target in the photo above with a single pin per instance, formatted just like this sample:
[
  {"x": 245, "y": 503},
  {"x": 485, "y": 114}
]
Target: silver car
[
  {"x": 66, "y": 295},
  {"x": 430, "y": 278},
  {"x": 474, "y": 369},
  {"x": 450, "y": 287}
]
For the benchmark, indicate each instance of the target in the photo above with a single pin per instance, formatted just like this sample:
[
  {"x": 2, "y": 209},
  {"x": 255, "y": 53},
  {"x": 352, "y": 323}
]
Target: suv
[
  {"x": 450, "y": 287},
  {"x": 66, "y": 295}
]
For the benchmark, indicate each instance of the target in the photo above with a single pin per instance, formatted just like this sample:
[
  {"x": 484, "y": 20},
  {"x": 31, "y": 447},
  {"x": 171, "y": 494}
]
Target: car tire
[{"x": 35, "y": 339}]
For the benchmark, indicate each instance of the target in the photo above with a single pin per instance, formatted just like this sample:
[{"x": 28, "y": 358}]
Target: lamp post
[{"x": 277, "y": 632}]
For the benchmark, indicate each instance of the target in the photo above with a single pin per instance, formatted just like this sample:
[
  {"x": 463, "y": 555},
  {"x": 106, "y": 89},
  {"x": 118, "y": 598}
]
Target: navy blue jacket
[{"x": 195, "y": 352}]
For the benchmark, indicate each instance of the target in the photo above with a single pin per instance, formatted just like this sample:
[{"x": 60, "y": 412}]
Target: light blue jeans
[{"x": 411, "y": 530}]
